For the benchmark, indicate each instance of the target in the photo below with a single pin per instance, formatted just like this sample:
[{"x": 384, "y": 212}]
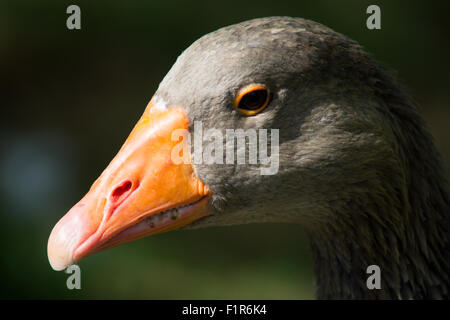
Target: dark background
[{"x": 70, "y": 98}]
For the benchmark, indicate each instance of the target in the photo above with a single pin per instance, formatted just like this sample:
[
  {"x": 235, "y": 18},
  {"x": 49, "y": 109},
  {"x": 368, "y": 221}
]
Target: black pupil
[{"x": 253, "y": 100}]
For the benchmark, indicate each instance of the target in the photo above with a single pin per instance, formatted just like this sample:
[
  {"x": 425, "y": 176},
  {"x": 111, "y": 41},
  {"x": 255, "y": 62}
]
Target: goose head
[{"x": 331, "y": 120}]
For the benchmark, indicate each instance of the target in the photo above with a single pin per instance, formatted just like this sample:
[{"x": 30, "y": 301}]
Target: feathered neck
[
  {"x": 413, "y": 257},
  {"x": 405, "y": 229}
]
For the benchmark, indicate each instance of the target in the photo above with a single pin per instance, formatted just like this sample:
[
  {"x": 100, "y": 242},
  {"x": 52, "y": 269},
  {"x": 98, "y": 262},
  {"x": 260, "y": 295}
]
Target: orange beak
[{"x": 142, "y": 192}]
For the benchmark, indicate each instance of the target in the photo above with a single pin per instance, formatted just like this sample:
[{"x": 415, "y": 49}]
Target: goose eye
[{"x": 252, "y": 99}]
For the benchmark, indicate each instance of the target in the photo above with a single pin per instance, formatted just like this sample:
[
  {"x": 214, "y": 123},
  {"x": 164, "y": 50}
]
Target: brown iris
[{"x": 252, "y": 99}]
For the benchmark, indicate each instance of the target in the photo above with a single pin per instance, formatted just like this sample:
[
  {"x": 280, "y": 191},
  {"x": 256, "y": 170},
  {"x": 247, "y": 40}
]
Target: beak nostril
[{"x": 120, "y": 192}]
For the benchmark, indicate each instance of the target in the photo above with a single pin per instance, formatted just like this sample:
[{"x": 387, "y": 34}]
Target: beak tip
[{"x": 59, "y": 254}]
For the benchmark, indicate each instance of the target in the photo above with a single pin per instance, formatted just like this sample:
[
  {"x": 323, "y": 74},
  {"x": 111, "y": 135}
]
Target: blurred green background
[{"x": 70, "y": 98}]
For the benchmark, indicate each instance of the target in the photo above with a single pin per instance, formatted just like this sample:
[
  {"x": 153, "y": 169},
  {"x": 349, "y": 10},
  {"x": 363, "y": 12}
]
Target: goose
[{"x": 356, "y": 166}]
